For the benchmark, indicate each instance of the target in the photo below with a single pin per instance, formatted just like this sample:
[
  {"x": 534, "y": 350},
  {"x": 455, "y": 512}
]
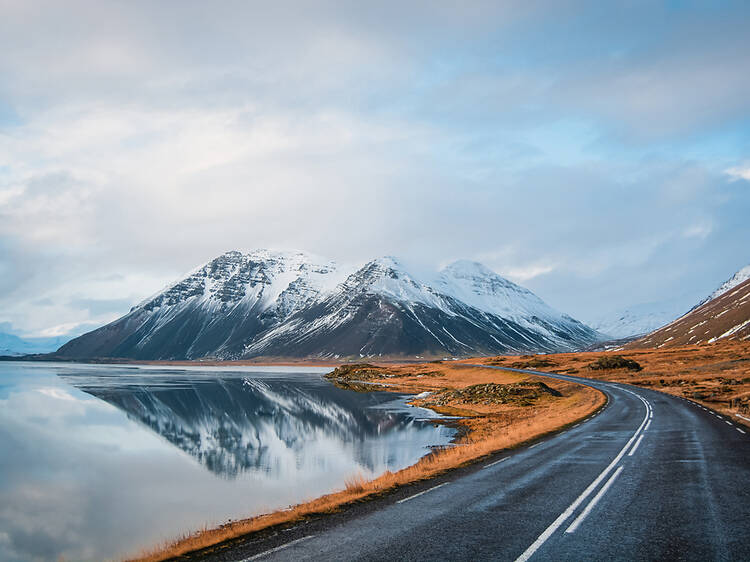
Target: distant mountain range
[
  {"x": 638, "y": 320},
  {"x": 723, "y": 315},
  {"x": 15, "y": 346},
  {"x": 291, "y": 304}
]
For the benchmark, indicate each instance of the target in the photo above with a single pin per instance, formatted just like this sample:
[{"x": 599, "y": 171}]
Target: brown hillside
[{"x": 726, "y": 317}]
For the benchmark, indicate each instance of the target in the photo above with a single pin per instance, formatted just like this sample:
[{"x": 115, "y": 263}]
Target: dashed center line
[
  {"x": 496, "y": 462},
  {"x": 282, "y": 547},
  {"x": 422, "y": 492}
]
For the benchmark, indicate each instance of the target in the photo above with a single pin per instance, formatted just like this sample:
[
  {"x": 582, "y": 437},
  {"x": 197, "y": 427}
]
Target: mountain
[
  {"x": 724, "y": 315},
  {"x": 639, "y": 319},
  {"x": 740, "y": 277},
  {"x": 14, "y": 346},
  {"x": 267, "y": 303}
]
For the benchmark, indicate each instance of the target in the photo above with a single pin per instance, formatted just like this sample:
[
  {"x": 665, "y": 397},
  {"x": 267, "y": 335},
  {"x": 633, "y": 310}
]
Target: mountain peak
[
  {"x": 738, "y": 278},
  {"x": 290, "y": 303}
]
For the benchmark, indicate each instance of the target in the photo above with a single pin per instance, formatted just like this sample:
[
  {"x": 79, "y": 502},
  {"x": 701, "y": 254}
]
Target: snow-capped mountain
[
  {"x": 723, "y": 315},
  {"x": 291, "y": 304},
  {"x": 740, "y": 277},
  {"x": 639, "y": 319}
]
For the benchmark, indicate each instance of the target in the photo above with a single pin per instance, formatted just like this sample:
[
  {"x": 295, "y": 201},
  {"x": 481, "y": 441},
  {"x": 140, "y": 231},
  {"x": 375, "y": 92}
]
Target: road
[{"x": 650, "y": 477}]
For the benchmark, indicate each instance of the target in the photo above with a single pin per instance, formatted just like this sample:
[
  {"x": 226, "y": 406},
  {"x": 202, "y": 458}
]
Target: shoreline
[{"x": 484, "y": 430}]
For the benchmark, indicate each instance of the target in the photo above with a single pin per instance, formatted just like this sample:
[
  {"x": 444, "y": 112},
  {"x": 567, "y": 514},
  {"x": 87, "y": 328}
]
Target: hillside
[{"x": 723, "y": 317}]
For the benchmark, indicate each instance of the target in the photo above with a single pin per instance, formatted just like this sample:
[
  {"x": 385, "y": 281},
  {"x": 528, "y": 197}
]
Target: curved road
[{"x": 650, "y": 477}]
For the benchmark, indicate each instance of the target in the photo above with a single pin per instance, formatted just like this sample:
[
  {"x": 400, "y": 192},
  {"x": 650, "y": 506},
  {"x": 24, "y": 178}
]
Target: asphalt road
[{"x": 651, "y": 477}]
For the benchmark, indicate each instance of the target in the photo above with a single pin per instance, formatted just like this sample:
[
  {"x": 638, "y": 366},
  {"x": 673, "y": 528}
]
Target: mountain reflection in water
[
  {"x": 100, "y": 461},
  {"x": 232, "y": 425}
]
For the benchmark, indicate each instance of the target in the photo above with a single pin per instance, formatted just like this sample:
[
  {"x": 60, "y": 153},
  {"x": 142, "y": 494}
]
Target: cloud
[
  {"x": 738, "y": 173},
  {"x": 144, "y": 140}
]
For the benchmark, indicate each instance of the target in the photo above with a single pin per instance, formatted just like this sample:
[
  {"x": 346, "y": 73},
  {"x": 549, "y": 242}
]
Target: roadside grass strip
[
  {"x": 423, "y": 492},
  {"x": 282, "y": 547},
  {"x": 565, "y": 515}
]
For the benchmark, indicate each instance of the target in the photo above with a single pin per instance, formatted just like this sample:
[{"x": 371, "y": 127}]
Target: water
[{"x": 100, "y": 461}]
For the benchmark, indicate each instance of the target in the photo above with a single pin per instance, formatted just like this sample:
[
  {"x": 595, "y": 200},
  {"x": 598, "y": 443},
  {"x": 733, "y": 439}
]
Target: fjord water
[{"x": 99, "y": 461}]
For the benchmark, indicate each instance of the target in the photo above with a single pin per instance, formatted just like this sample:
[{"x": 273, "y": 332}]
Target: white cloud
[
  {"x": 739, "y": 173},
  {"x": 525, "y": 273},
  {"x": 141, "y": 140}
]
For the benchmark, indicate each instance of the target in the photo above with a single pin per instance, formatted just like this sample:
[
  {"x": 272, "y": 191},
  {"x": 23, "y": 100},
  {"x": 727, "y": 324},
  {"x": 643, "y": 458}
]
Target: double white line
[{"x": 587, "y": 492}]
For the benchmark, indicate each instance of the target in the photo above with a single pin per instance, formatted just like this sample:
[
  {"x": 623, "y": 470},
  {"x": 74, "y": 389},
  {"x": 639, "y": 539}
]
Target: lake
[{"x": 100, "y": 461}]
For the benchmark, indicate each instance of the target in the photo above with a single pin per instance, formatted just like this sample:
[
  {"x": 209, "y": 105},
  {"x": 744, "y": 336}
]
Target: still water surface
[{"x": 99, "y": 461}]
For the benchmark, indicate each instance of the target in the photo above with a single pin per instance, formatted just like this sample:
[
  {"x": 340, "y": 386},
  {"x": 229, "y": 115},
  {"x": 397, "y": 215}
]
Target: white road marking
[
  {"x": 742, "y": 417},
  {"x": 529, "y": 552},
  {"x": 740, "y": 430},
  {"x": 574, "y": 525},
  {"x": 534, "y": 445},
  {"x": 630, "y": 454},
  {"x": 496, "y": 462},
  {"x": 422, "y": 492},
  {"x": 282, "y": 547},
  {"x": 727, "y": 422},
  {"x": 648, "y": 424},
  {"x": 576, "y": 425}
]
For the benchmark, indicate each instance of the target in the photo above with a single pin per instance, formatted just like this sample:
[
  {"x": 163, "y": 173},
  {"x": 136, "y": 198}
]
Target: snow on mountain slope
[
  {"x": 740, "y": 277},
  {"x": 725, "y": 317},
  {"x": 290, "y": 304},
  {"x": 384, "y": 309},
  {"x": 640, "y": 319},
  {"x": 215, "y": 309}
]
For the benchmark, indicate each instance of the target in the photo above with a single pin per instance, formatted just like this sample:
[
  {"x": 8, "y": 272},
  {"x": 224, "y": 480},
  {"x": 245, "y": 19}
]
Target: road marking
[
  {"x": 496, "y": 462},
  {"x": 534, "y": 445},
  {"x": 727, "y": 422},
  {"x": 742, "y": 417},
  {"x": 576, "y": 425},
  {"x": 648, "y": 424},
  {"x": 574, "y": 525},
  {"x": 282, "y": 547},
  {"x": 630, "y": 454},
  {"x": 740, "y": 430},
  {"x": 422, "y": 492},
  {"x": 529, "y": 552}
]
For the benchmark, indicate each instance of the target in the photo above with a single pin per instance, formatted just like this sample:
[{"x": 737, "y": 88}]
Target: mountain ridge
[
  {"x": 724, "y": 314},
  {"x": 278, "y": 303}
]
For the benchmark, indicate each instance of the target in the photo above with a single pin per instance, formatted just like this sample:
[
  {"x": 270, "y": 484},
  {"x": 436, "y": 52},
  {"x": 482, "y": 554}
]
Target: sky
[{"x": 597, "y": 153}]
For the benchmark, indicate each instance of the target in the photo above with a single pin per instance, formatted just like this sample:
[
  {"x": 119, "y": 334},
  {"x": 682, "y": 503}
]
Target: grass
[
  {"x": 489, "y": 427},
  {"x": 715, "y": 375}
]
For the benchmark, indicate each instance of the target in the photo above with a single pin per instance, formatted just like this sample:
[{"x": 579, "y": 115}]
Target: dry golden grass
[
  {"x": 488, "y": 428},
  {"x": 715, "y": 375}
]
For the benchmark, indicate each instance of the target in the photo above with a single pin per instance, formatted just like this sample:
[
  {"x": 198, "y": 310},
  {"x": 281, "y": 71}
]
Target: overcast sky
[{"x": 598, "y": 155}]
